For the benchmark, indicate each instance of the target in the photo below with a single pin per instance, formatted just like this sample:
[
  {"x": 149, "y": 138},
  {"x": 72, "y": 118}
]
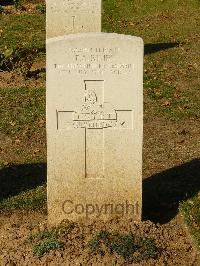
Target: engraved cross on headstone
[
  {"x": 94, "y": 116},
  {"x": 73, "y": 21}
]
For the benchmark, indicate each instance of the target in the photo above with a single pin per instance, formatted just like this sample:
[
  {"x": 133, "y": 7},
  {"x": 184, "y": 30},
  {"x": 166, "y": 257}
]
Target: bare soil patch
[
  {"x": 29, "y": 8},
  {"x": 171, "y": 239},
  {"x": 35, "y": 78}
]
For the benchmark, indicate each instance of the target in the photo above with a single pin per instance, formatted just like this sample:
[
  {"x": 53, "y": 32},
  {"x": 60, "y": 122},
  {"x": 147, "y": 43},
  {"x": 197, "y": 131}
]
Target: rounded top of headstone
[{"x": 102, "y": 35}]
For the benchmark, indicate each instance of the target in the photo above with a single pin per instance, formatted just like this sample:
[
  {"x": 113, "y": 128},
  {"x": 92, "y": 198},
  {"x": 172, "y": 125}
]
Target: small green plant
[
  {"x": 42, "y": 235},
  {"x": 41, "y": 8},
  {"x": 17, "y": 3},
  {"x": 45, "y": 241},
  {"x": 6, "y": 58},
  {"x": 45, "y": 246},
  {"x": 148, "y": 249},
  {"x": 191, "y": 211},
  {"x": 129, "y": 246},
  {"x": 2, "y": 9},
  {"x": 124, "y": 245},
  {"x": 20, "y": 59}
]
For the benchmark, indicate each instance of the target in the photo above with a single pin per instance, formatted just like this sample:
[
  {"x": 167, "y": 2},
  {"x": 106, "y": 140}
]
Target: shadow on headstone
[
  {"x": 151, "y": 48},
  {"x": 18, "y": 178},
  {"x": 163, "y": 192}
]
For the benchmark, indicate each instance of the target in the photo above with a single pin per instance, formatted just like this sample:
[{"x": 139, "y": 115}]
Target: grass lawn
[{"x": 171, "y": 32}]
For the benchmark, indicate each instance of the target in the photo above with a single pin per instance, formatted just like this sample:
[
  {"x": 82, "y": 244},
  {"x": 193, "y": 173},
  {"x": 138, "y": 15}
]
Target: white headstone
[
  {"x": 94, "y": 126},
  {"x": 72, "y": 16}
]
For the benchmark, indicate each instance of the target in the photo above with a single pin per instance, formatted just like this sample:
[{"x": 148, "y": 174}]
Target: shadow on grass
[
  {"x": 151, "y": 48},
  {"x": 163, "y": 192},
  {"x": 6, "y": 2},
  {"x": 18, "y": 178}
]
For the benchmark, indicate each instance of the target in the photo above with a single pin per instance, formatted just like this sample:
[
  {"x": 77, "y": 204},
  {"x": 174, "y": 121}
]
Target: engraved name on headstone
[
  {"x": 72, "y": 16},
  {"x": 94, "y": 126}
]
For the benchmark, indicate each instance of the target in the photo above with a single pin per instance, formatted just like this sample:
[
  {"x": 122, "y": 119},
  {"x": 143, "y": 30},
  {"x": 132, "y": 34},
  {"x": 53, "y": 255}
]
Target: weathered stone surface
[
  {"x": 94, "y": 126},
  {"x": 72, "y": 16}
]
